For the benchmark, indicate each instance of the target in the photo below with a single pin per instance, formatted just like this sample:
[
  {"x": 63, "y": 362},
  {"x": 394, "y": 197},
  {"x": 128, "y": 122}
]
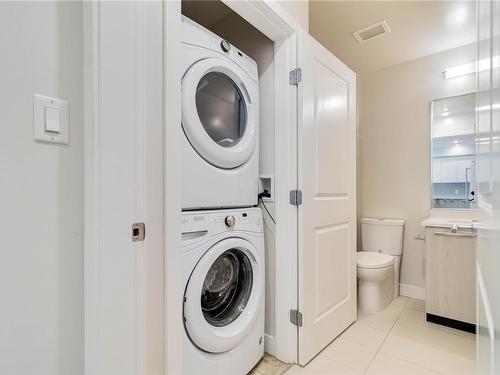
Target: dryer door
[
  {"x": 218, "y": 112},
  {"x": 223, "y": 295}
]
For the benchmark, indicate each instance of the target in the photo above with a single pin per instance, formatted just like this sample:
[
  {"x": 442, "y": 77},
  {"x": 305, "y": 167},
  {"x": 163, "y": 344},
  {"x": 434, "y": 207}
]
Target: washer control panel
[{"x": 214, "y": 222}]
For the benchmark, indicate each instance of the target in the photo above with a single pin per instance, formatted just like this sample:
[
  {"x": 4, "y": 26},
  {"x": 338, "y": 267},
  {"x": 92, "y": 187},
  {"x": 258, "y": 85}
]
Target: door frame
[
  {"x": 157, "y": 309},
  {"x": 173, "y": 289}
]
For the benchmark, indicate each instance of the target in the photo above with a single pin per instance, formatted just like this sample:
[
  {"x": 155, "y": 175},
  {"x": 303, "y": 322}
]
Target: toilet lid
[{"x": 370, "y": 259}]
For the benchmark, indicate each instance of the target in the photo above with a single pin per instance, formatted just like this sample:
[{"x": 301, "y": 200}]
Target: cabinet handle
[{"x": 456, "y": 234}]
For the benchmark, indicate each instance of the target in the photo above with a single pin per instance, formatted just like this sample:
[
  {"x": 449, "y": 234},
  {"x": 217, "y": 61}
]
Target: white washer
[
  {"x": 220, "y": 121},
  {"x": 223, "y": 273}
]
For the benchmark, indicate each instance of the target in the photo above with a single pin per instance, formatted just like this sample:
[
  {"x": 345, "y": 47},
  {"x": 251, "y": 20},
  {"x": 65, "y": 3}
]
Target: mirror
[{"x": 453, "y": 152}]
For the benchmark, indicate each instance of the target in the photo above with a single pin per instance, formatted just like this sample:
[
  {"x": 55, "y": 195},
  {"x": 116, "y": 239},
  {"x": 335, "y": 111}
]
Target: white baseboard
[
  {"x": 411, "y": 291},
  {"x": 270, "y": 344}
]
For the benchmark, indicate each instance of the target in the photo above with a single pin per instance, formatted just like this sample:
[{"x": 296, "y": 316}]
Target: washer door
[
  {"x": 217, "y": 112},
  {"x": 223, "y": 295}
]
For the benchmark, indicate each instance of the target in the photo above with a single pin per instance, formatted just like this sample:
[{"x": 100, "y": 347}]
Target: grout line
[
  {"x": 396, "y": 357},
  {"x": 378, "y": 350},
  {"x": 385, "y": 338},
  {"x": 359, "y": 343},
  {"x": 369, "y": 326},
  {"x": 413, "y": 363},
  {"x": 343, "y": 365}
]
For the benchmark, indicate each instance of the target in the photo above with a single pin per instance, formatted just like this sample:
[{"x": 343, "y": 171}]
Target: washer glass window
[
  {"x": 227, "y": 288},
  {"x": 221, "y": 108}
]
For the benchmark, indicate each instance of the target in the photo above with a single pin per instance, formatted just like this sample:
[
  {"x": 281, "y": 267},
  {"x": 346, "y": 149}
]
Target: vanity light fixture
[
  {"x": 481, "y": 66},
  {"x": 446, "y": 113}
]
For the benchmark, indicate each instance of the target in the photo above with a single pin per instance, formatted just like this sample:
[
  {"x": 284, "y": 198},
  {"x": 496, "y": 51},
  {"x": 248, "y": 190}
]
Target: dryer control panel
[
  {"x": 213, "y": 222},
  {"x": 195, "y": 34}
]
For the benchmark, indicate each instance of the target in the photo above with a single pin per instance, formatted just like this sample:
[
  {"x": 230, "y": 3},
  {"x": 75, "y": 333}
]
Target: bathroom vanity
[{"x": 450, "y": 273}]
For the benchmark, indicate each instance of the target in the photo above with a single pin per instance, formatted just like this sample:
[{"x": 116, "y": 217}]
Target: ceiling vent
[{"x": 374, "y": 31}]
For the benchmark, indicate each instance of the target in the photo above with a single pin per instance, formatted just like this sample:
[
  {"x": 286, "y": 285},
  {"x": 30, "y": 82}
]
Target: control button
[
  {"x": 224, "y": 44},
  {"x": 230, "y": 221}
]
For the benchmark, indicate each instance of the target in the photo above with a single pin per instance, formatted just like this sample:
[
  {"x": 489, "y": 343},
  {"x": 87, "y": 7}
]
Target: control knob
[
  {"x": 230, "y": 221},
  {"x": 224, "y": 44}
]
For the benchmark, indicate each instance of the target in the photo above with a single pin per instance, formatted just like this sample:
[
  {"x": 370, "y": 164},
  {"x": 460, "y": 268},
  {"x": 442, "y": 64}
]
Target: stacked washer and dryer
[{"x": 222, "y": 230}]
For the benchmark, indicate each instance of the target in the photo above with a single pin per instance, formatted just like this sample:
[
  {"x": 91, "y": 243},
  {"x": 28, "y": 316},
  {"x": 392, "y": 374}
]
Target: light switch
[{"x": 52, "y": 120}]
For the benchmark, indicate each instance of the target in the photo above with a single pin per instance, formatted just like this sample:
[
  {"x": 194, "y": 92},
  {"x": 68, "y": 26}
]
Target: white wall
[
  {"x": 41, "y": 192},
  {"x": 395, "y": 143}
]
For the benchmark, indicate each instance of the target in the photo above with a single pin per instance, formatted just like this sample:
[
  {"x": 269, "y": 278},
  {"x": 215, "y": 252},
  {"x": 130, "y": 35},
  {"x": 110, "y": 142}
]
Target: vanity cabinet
[{"x": 451, "y": 277}]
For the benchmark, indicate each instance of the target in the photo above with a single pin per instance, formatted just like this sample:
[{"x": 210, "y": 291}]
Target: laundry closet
[
  {"x": 306, "y": 179},
  {"x": 244, "y": 39}
]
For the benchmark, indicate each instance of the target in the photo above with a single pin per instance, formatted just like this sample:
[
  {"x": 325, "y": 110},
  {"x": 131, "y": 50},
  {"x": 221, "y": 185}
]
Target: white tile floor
[{"x": 395, "y": 341}]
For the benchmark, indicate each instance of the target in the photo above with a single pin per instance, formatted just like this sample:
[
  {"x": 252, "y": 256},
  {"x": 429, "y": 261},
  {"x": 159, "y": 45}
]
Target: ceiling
[{"x": 418, "y": 28}]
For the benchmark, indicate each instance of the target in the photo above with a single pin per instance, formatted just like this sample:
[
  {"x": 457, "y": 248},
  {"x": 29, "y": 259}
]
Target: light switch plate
[{"x": 50, "y": 120}]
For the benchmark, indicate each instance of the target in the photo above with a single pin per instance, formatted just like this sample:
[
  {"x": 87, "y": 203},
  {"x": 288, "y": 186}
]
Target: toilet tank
[{"x": 382, "y": 235}]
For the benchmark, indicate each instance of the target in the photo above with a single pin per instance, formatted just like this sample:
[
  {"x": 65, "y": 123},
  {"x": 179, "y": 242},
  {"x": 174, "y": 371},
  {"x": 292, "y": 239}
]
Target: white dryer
[
  {"x": 223, "y": 274},
  {"x": 220, "y": 121}
]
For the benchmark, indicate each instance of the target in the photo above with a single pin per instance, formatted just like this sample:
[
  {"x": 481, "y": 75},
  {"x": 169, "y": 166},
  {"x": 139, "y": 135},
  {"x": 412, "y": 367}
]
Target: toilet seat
[{"x": 371, "y": 259}]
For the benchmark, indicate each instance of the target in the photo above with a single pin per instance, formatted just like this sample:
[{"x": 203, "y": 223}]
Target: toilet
[{"x": 379, "y": 262}]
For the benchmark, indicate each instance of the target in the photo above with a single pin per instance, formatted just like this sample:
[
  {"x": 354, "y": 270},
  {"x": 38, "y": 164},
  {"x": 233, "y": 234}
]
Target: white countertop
[{"x": 445, "y": 222}]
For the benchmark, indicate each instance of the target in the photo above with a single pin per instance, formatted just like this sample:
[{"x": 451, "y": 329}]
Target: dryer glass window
[
  {"x": 227, "y": 288},
  {"x": 221, "y": 108}
]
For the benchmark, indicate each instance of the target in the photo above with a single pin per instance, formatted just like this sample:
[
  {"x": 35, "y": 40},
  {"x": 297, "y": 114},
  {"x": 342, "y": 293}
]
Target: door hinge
[
  {"x": 295, "y": 76},
  {"x": 296, "y": 318},
  {"x": 138, "y": 232},
  {"x": 296, "y": 197}
]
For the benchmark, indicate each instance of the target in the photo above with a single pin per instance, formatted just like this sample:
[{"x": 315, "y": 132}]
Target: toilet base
[{"x": 375, "y": 296}]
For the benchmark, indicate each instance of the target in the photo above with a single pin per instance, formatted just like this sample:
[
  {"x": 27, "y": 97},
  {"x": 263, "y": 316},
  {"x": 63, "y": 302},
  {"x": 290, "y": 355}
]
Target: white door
[
  {"x": 488, "y": 189},
  {"x": 327, "y": 178}
]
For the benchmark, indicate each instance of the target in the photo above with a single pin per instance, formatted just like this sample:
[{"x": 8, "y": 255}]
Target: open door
[
  {"x": 488, "y": 191},
  {"x": 327, "y": 179}
]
